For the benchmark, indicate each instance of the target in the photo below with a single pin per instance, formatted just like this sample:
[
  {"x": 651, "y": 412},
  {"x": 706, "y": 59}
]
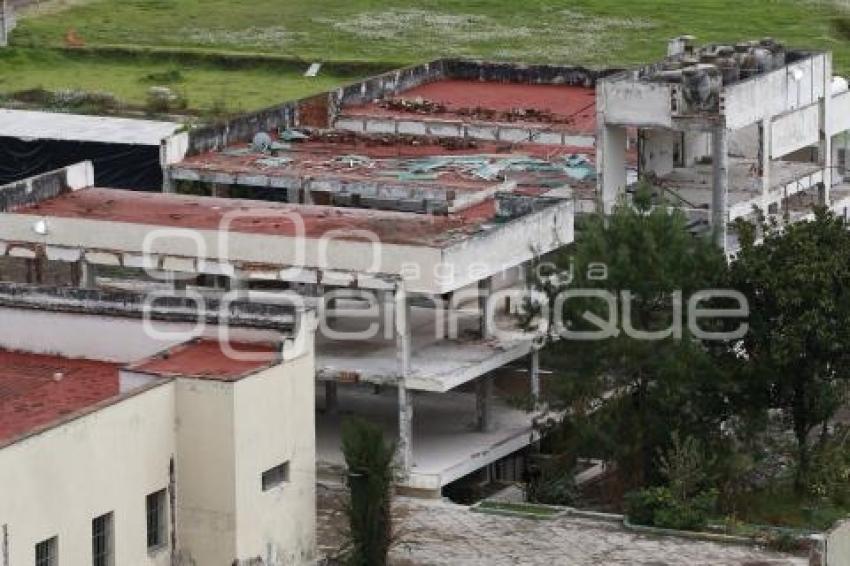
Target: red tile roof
[
  {"x": 38, "y": 390},
  {"x": 208, "y": 359}
]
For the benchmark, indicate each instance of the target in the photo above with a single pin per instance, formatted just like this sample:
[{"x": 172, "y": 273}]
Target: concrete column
[
  {"x": 7, "y": 21},
  {"x": 765, "y": 137},
  {"x": 611, "y": 164},
  {"x": 825, "y": 145},
  {"x": 236, "y": 283},
  {"x": 331, "y": 398},
  {"x": 448, "y": 318},
  {"x": 178, "y": 280},
  {"x": 87, "y": 275},
  {"x": 720, "y": 185},
  {"x": 534, "y": 375},
  {"x": 484, "y": 404},
  {"x": 405, "y": 397},
  {"x": 485, "y": 291}
]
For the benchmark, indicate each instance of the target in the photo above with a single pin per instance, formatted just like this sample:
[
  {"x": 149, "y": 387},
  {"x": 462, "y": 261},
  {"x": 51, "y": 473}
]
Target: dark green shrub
[
  {"x": 658, "y": 506},
  {"x": 371, "y": 472}
]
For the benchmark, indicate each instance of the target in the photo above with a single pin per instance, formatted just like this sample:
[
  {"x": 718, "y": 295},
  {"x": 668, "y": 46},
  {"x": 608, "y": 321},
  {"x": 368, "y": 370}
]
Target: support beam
[
  {"x": 825, "y": 142},
  {"x": 405, "y": 397},
  {"x": 485, "y": 291},
  {"x": 87, "y": 275},
  {"x": 7, "y": 21},
  {"x": 331, "y": 398},
  {"x": 720, "y": 185},
  {"x": 611, "y": 181},
  {"x": 534, "y": 375},
  {"x": 484, "y": 404},
  {"x": 765, "y": 137}
]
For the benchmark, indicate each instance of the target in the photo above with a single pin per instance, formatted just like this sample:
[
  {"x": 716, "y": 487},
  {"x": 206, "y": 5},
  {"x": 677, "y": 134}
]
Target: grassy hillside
[
  {"x": 590, "y": 32},
  {"x": 599, "y": 32}
]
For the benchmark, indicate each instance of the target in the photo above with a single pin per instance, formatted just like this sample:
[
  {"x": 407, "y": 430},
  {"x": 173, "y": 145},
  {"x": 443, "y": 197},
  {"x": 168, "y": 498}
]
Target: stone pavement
[{"x": 437, "y": 533}]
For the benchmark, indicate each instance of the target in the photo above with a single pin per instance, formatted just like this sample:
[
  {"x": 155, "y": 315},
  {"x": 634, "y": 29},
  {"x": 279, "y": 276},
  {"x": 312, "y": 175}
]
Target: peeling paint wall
[{"x": 46, "y": 186}]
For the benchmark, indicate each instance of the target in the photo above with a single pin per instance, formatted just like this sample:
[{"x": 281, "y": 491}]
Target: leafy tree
[
  {"x": 371, "y": 471},
  {"x": 650, "y": 387},
  {"x": 795, "y": 357}
]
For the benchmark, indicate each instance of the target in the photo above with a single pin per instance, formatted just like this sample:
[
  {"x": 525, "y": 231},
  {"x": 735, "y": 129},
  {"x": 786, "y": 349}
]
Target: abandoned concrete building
[
  {"x": 728, "y": 132},
  {"x": 399, "y": 207},
  {"x": 118, "y": 446}
]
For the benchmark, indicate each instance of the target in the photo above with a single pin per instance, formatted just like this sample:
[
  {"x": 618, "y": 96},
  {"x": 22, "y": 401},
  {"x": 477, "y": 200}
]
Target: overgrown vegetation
[
  {"x": 707, "y": 431},
  {"x": 370, "y": 478}
]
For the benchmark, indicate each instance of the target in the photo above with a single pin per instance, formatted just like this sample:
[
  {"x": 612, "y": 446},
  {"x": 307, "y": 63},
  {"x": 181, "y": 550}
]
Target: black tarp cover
[{"x": 119, "y": 166}]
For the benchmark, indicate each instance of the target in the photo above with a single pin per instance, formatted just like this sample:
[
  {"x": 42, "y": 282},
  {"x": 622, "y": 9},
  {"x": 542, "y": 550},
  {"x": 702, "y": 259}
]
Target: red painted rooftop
[
  {"x": 38, "y": 390},
  {"x": 574, "y": 107},
  {"x": 256, "y": 217},
  {"x": 209, "y": 359}
]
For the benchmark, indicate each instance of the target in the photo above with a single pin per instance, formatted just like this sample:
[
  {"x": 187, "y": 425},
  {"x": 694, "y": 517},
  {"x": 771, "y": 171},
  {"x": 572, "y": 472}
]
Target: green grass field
[
  {"x": 206, "y": 86},
  {"x": 590, "y": 32}
]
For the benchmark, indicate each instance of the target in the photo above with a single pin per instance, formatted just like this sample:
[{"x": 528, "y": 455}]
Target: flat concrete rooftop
[
  {"x": 559, "y": 107},
  {"x": 27, "y": 124},
  {"x": 37, "y": 390},
  {"x": 206, "y": 213}
]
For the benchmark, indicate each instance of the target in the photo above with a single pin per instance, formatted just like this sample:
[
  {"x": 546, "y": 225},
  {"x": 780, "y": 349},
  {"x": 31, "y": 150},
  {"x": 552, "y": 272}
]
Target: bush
[
  {"x": 371, "y": 473},
  {"x": 659, "y": 507},
  {"x": 829, "y": 475}
]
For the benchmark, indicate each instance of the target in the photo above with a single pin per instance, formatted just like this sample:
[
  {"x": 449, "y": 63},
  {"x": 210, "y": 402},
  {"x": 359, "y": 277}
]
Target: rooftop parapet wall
[
  {"x": 46, "y": 186},
  {"x": 164, "y": 307},
  {"x": 321, "y": 110}
]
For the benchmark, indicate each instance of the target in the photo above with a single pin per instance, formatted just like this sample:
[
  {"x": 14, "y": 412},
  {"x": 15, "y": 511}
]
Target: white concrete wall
[
  {"x": 121, "y": 340},
  {"x": 777, "y": 92},
  {"x": 275, "y": 416},
  {"x": 659, "y": 147},
  {"x": 838, "y": 545},
  {"x": 840, "y": 121},
  {"x": 56, "y": 482},
  {"x": 510, "y": 245},
  {"x": 206, "y": 472},
  {"x": 796, "y": 130},
  {"x": 641, "y": 104},
  {"x": 228, "y": 434}
]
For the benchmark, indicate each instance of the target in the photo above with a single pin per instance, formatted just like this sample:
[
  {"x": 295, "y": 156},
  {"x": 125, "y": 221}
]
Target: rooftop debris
[{"x": 420, "y": 105}]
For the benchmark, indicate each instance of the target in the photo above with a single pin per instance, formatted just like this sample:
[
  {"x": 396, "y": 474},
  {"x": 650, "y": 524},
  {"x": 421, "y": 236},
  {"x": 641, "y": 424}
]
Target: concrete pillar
[
  {"x": 405, "y": 397},
  {"x": 236, "y": 283},
  {"x": 485, "y": 291},
  {"x": 87, "y": 275},
  {"x": 484, "y": 404},
  {"x": 534, "y": 375},
  {"x": 331, "y": 398},
  {"x": 611, "y": 164},
  {"x": 765, "y": 137},
  {"x": 825, "y": 145},
  {"x": 178, "y": 280},
  {"x": 720, "y": 185},
  {"x": 7, "y": 21},
  {"x": 448, "y": 318}
]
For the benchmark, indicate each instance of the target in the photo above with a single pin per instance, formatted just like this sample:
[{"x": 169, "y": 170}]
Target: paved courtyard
[{"x": 438, "y": 533}]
